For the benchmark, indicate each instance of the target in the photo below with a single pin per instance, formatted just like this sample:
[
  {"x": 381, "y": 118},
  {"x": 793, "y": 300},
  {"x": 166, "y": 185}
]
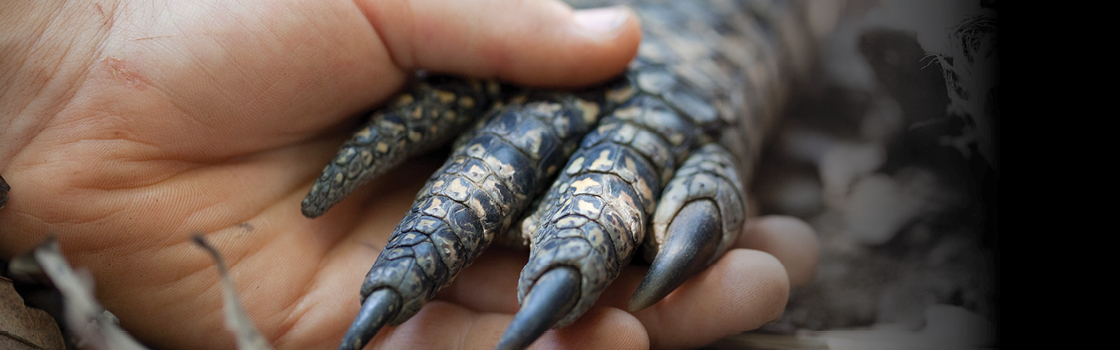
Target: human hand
[{"x": 128, "y": 126}]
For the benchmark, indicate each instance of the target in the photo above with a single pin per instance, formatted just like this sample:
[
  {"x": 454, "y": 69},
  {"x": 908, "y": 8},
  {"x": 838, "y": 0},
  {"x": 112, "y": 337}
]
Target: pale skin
[{"x": 125, "y": 127}]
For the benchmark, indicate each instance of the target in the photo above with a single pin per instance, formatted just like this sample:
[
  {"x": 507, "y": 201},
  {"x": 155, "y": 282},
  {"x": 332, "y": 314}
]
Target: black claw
[
  {"x": 377, "y": 310},
  {"x": 691, "y": 241},
  {"x": 550, "y": 299},
  {"x": 4, "y": 188}
]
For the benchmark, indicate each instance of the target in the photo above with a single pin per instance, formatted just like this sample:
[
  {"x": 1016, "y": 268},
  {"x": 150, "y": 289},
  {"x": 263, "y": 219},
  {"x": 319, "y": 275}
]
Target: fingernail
[{"x": 604, "y": 20}]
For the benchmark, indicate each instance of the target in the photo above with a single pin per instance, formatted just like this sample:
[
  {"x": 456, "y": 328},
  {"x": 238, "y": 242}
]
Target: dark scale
[
  {"x": 595, "y": 216},
  {"x": 709, "y": 173},
  {"x": 426, "y": 116},
  {"x": 694, "y": 100},
  {"x": 663, "y": 173},
  {"x": 490, "y": 178}
]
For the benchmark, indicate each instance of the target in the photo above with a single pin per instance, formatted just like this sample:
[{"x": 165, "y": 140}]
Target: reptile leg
[
  {"x": 699, "y": 217},
  {"x": 489, "y": 180},
  {"x": 424, "y": 117},
  {"x": 705, "y": 85},
  {"x": 602, "y": 202}
]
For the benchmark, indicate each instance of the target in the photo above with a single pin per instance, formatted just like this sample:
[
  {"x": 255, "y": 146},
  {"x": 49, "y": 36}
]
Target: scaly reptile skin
[
  {"x": 416, "y": 121},
  {"x": 701, "y": 79},
  {"x": 671, "y": 150},
  {"x": 487, "y": 181}
]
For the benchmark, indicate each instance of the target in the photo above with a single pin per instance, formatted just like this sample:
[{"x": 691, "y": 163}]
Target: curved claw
[
  {"x": 380, "y": 307},
  {"x": 551, "y": 297},
  {"x": 692, "y": 240}
]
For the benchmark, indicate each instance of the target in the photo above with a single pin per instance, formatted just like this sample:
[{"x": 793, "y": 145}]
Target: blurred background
[{"x": 890, "y": 150}]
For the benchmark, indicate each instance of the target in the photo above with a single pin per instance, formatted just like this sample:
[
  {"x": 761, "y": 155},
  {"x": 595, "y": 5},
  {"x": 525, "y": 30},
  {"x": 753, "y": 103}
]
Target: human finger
[
  {"x": 442, "y": 325},
  {"x": 743, "y": 290},
  {"x": 528, "y": 42},
  {"x": 489, "y": 283},
  {"x": 792, "y": 241}
]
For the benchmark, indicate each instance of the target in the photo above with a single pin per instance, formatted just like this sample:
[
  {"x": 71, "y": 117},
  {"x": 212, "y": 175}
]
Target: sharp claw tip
[
  {"x": 663, "y": 277},
  {"x": 507, "y": 344},
  {"x": 550, "y": 299},
  {"x": 640, "y": 301},
  {"x": 692, "y": 241},
  {"x": 379, "y": 307}
]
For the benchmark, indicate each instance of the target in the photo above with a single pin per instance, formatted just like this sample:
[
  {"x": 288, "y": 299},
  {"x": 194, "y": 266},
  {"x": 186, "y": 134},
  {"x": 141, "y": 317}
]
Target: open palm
[{"x": 129, "y": 127}]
